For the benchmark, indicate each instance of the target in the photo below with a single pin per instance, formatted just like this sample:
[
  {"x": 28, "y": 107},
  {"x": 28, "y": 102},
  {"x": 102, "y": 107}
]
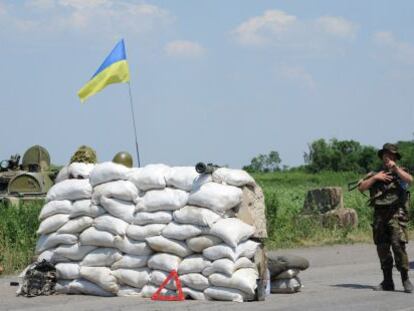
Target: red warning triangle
[{"x": 178, "y": 297}]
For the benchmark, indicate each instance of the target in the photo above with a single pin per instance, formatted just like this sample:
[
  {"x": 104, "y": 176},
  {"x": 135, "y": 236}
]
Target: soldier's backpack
[{"x": 39, "y": 279}]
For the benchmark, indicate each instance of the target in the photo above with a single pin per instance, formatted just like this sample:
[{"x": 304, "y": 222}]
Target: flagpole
[{"x": 133, "y": 122}]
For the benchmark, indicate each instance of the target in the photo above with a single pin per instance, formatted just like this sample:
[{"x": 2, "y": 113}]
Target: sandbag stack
[{"x": 112, "y": 230}]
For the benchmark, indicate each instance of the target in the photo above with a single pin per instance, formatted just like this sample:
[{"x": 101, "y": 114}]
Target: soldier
[
  {"x": 390, "y": 199},
  {"x": 123, "y": 158}
]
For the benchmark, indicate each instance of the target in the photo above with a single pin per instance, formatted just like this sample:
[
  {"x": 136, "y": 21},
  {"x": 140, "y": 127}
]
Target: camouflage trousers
[{"x": 390, "y": 232}]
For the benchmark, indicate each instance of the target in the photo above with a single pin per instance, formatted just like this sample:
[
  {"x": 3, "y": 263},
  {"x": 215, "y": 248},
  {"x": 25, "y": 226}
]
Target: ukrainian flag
[{"x": 114, "y": 69}]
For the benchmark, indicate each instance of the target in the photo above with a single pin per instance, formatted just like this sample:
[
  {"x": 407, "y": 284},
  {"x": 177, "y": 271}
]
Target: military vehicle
[{"x": 26, "y": 181}]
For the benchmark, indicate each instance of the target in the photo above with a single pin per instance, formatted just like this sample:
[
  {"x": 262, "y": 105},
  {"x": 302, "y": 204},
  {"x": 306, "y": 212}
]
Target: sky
[{"x": 213, "y": 81}]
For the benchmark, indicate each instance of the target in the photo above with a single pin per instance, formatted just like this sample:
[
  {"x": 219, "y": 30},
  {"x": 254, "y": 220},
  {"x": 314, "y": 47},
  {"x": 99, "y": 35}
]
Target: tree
[{"x": 264, "y": 163}]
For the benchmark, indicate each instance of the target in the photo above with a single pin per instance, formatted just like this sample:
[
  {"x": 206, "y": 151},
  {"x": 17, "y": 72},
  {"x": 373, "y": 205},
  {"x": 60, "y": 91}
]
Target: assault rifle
[{"x": 208, "y": 168}]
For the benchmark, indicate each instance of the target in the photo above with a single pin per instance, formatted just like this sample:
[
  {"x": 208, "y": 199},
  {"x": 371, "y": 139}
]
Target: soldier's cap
[{"x": 391, "y": 148}]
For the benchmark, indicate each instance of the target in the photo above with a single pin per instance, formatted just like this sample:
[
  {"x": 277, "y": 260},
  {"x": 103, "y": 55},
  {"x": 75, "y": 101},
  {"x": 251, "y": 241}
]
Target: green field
[{"x": 284, "y": 193}]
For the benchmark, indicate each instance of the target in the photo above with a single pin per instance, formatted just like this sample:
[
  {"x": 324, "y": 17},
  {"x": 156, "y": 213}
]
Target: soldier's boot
[
  {"x": 387, "y": 284},
  {"x": 408, "y": 287}
]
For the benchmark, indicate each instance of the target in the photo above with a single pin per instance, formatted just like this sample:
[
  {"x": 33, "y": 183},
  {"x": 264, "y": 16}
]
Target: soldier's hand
[{"x": 382, "y": 176}]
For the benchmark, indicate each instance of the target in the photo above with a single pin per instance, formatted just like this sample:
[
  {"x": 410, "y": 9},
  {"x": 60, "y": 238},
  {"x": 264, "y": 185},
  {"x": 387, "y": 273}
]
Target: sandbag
[
  {"x": 196, "y": 216},
  {"x": 181, "y": 177},
  {"x": 88, "y": 288},
  {"x": 55, "y": 207},
  {"x": 165, "y": 199},
  {"x": 285, "y": 286},
  {"x": 62, "y": 175},
  {"x": 52, "y": 223},
  {"x": 101, "y": 257},
  {"x": 199, "y": 243},
  {"x": 131, "y": 262},
  {"x": 86, "y": 208},
  {"x": 54, "y": 239},
  {"x": 74, "y": 252},
  {"x": 165, "y": 262},
  {"x": 279, "y": 263},
  {"x": 220, "y": 251},
  {"x": 164, "y": 245},
  {"x": 182, "y": 232},
  {"x": 150, "y": 177},
  {"x": 242, "y": 279},
  {"x": 76, "y": 225},
  {"x": 133, "y": 277},
  {"x": 70, "y": 189},
  {"x": 140, "y": 233},
  {"x": 131, "y": 247},
  {"x": 100, "y": 276},
  {"x": 227, "y": 267},
  {"x": 218, "y": 198},
  {"x": 149, "y": 290},
  {"x": 80, "y": 170},
  {"x": 238, "y": 178},
  {"x": 232, "y": 231},
  {"x": 50, "y": 256},
  {"x": 247, "y": 249},
  {"x": 158, "y": 277},
  {"x": 193, "y": 294},
  {"x": 193, "y": 264},
  {"x": 68, "y": 271},
  {"x": 226, "y": 294},
  {"x": 111, "y": 224},
  {"x": 288, "y": 274},
  {"x": 120, "y": 189},
  {"x": 195, "y": 281},
  {"x": 108, "y": 171},
  {"x": 144, "y": 218},
  {"x": 94, "y": 237},
  {"x": 118, "y": 208},
  {"x": 128, "y": 291}
]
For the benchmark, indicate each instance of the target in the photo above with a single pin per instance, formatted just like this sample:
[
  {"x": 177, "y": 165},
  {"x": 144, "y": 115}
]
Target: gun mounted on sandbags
[{"x": 208, "y": 168}]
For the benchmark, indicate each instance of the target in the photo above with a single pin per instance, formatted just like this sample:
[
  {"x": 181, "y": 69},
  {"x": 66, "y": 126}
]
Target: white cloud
[
  {"x": 297, "y": 74},
  {"x": 398, "y": 50},
  {"x": 337, "y": 26},
  {"x": 182, "y": 48}
]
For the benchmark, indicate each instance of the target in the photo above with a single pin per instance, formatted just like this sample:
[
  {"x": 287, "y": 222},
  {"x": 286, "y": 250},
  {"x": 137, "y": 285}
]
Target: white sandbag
[
  {"x": 183, "y": 231},
  {"x": 52, "y": 223},
  {"x": 225, "y": 294},
  {"x": 144, "y": 218},
  {"x": 242, "y": 279},
  {"x": 111, "y": 224},
  {"x": 51, "y": 256},
  {"x": 120, "y": 189},
  {"x": 94, "y": 237},
  {"x": 118, "y": 208},
  {"x": 108, "y": 171},
  {"x": 140, "y": 233},
  {"x": 62, "y": 287},
  {"x": 86, "y": 208},
  {"x": 68, "y": 271},
  {"x": 55, "y": 207},
  {"x": 70, "y": 189},
  {"x": 133, "y": 277},
  {"x": 101, "y": 257},
  {"x": 74, "y": 252},
  {"x": 216, "y": 197},
  {"x": 149, "y": 177},
  {"x": 247, "y": 249},
  {"x": 128, "y": 291},
  {"x": 181, "y": 177},
  {"x": 193, "y": 264},
  {"x": 220, "y": 251},
  {"x": 165, "y": 262},
  {"x": 102, "y": 277},
  {"x": 80, "y": 170},
  {"x": 224, "y": 266},
  {"x": 199, "y": 243},
  {"x": 194, "y": 294},
  {"x": 132, "y": 247},
  {"x": 195, "y": 280},
  {"x": 285, "y": 286},
  {"x": 232, "y": 231},
  {"x": 131, "y": 262},
  {"x": 54, "y": 239},
  {"x": 62, "y": 175},
  {"x": 195, "y": 215},
  {"x": 164, "y": 245},
  {"x": 88, "y": 288},
  {"x": 243, "y": 263},
  {"x": 238, "y": 178},
  {"x": 288, "y": 274},
  {"x": 163, "y": 200},
  {"x": 158, "y": 277},
  {"x": 76, "y": 225},
  {"x": 201, "y": 180},
  {"x": 149, "y": 290}
]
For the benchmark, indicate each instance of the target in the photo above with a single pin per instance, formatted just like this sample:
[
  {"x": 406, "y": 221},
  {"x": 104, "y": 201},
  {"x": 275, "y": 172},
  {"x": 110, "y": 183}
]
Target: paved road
[{"x": 340, "y": 278}]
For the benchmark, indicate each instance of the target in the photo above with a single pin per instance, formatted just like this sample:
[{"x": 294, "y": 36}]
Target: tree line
[{"x": 333, "y": 155}]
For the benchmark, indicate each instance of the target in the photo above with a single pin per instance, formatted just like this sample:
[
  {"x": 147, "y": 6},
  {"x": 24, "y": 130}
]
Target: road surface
[{"x": 339, "y": 278}]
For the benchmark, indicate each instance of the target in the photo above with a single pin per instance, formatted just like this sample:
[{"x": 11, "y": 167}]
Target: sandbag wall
[{"x": 112, "y": 230}]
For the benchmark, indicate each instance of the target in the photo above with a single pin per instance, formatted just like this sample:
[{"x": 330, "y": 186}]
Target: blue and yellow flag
[{"x": 114, "y": 69}]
